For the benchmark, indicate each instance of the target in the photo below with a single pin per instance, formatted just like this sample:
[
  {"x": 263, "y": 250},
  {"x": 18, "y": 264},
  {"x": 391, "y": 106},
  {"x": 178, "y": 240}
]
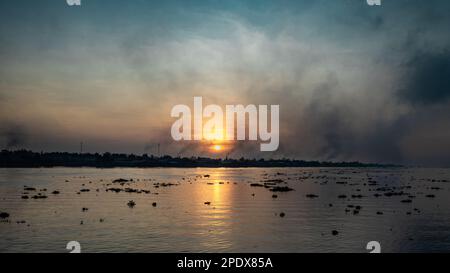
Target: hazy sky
[{"x": 353, "y": 82}]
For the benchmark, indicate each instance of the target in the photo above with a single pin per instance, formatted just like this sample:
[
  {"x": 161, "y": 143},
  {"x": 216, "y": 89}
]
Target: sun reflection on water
[{"x": 213, "y": 213}]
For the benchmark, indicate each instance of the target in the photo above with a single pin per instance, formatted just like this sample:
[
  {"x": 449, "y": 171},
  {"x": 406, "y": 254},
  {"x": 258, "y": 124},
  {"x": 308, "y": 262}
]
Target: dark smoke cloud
[
  {"x": 427, "y": 79},
  {"x": 14, "y": 136}
]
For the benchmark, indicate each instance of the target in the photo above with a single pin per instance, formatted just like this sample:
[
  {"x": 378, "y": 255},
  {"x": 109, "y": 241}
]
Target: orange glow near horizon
[
  {"x": 220, "y": 146},
  {"x": 215, "y": 135}
]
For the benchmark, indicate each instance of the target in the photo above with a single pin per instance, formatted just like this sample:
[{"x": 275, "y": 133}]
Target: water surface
[{"x": 239, "y": 218}]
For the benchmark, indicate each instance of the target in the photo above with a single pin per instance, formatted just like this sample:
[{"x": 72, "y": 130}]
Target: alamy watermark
[
  {"x": 73, "y": 2},
  {"x": 234, "y": 128},
  {"x": 74, "y": 247},
  {"x": 374, "y": 2}
]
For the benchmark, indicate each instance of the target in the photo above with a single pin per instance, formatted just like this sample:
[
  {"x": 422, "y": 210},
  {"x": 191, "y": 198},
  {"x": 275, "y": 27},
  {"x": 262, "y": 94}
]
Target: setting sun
[{"x": 217, "y": 148}]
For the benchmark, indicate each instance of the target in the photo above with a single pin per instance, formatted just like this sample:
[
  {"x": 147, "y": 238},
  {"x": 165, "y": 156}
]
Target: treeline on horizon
[{"x": 30, "y": 159}]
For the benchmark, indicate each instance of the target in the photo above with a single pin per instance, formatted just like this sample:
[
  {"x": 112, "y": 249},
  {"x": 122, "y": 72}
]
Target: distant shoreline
[{"x": 29, "y": 159}]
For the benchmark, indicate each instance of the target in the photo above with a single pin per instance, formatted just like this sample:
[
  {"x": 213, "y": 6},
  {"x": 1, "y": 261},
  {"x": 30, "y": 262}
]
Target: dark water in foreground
[{"x": 239, "y": 218}]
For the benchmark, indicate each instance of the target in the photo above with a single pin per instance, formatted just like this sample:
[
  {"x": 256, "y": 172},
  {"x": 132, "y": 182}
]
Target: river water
[{"x": 225, "y": 210}]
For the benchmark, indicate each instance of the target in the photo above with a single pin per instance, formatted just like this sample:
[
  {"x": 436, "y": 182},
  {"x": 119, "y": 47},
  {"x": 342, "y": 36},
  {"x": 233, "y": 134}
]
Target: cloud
[
  {"x": 427, "y": 78},
  {"x": 13, "y": 136},
  {"x": 334, "y": 67}
]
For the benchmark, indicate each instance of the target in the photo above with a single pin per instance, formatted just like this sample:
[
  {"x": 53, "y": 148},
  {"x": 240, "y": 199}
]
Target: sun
[{"x": 217, "y": 148}]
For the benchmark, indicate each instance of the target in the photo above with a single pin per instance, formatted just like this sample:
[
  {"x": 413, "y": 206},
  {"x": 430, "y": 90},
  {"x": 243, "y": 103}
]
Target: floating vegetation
[{"x": 131, "y": 204}]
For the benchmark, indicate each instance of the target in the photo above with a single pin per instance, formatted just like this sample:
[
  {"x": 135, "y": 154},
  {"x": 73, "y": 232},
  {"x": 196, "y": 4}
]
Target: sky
[{"x": 354, "y": 82}]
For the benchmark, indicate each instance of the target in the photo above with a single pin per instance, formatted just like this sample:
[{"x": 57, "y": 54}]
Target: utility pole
[
  {"x": 81, "y": 147},
  {"x": 159, "y": 154}
]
